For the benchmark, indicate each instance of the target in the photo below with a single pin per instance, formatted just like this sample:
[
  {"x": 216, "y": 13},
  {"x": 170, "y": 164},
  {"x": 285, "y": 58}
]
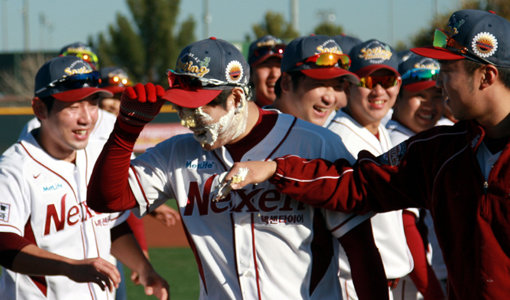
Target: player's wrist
[{"x": 127, "y": 131}]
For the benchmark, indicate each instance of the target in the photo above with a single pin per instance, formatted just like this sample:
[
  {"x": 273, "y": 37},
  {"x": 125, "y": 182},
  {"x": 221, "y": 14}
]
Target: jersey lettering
[
  {"x": 71, "y": 216},
  {"x": 257, "y": 200}
]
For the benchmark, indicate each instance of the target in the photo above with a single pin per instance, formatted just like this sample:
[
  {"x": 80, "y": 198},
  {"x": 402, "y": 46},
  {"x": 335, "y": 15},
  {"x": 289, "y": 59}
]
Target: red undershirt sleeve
[
  {"x": 10, "y": 246},
  {"x": 422, "y": 275},
  {"x": 138, "y": 230},
  {"x": 109, "y": 190}
]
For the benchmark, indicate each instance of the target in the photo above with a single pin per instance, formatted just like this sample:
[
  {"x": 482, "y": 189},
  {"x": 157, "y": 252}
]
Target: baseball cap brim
[
  {"x": 330, "y": 73},
  {"x": 419, "y": 86},
  {"x": 115, "y": 89},
  {"x": 264, "y": 58},
  {"x": 437, "y": 53},
  {"x": 365, "y": 71},
  {"x": 80, "y": 94},
  {"x": 190, "y": 98}
]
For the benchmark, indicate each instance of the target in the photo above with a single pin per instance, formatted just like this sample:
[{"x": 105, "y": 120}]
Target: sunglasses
[
  {"x": 268, "y": 50},
  {"x": 77, "y": 81},
  {"x": 386, "y": 81},
  {"x": 187, "y": 82},
  {"x": 118, "y": 81},
  {"x": 419, "y": 74},
  {"x": 443, "y": 40},
  {"x": 329, "y": 59},
  {"x": 87, "y": 56}
]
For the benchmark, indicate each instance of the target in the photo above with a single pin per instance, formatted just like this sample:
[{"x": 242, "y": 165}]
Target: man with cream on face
[{"x": 254, "y": 243}]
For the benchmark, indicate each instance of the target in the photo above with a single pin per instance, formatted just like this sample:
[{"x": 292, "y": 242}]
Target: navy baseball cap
[
  {"x": 472, "y": 34},
  {"x": 68, "y": 79},
  {"x": 263, "y": 48},
  {"x": 203, "y": 70},
  {"x": 305, "y": 53},
  {"x": 82, "y": 51},
  {"x": 114, "y": 79},
  {"x": 373, "y": 55},
  {"x": 346, "y": 42},
  {"x": 418, "y": 72}
]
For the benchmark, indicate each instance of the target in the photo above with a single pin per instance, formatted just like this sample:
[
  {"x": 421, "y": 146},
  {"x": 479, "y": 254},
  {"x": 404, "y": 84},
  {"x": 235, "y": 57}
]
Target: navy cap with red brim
[
  {"x": 367, "y": 70},
  {"x": 193, "y": 98},
  {"x": 419, "y": 86},
  {"x": 437, "y": 53},
  {"x": 330, "y": 73},
  {"x": 80, "y": 94}
]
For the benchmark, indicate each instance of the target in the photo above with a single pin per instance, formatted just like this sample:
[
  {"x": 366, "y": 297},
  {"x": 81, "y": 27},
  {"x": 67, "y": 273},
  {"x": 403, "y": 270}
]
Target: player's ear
[
  {"x": 237, "y": 97},
  {"x": 39, "y": 108},
  {"x": 489, "y": 76},
  {"x": 286, "y": 82}
]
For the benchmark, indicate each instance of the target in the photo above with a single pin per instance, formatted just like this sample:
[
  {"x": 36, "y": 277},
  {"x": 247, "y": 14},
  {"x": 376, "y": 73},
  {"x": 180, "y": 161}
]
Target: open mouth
[{"x": 80, "y": 132}]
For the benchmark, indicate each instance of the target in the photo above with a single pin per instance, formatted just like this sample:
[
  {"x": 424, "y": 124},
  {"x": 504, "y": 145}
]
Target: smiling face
[
  {"x": 218, "y": 123},
  {"x": 67, "y": 126},
  {"x": 369, "y": 106},
  {"x": 420, "y": 110},
  {"x": 264, "y": 78},
  {"x": 312, "y": 100}
]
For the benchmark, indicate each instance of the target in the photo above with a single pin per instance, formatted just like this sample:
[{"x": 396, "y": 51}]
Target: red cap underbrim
[
  {"x": 80, "y": 94},
  {"x": 264, "y": 58},
  {"x": 190, "y": 98},
  {"x": 437, "y": 53},
  {"x": 330, "y": 73},
  {"x": 419, "y": 86},
  {"x": 115, "y": 89},
  {"x": 365, "y": 71}
]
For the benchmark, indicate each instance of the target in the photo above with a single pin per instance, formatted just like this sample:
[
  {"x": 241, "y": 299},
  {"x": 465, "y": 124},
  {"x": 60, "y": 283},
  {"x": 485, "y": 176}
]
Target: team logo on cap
[
  {"x": 454, "y": 25},
  {"x": 193, "y": 66},
  {"x": 329, "y": 46},
  {"x": 484, "y": 44},
  {"x": 234, "y": 72},
  {"x": 78, "y": 67},
  {"x": 426, "y": 63},
  {"x": 377, "y": 53}
]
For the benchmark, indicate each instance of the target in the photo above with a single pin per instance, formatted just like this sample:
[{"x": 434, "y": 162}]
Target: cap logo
[
  {"x": 268, "y": 43},
  {"x": 430, "y": 66},
  {"x": 454, "y": 25},
  {"x": 199, "y": 69},
  {"x": 484, "y": 44},
  {"x": 325, "y": 48},
  {"x": 234, "y": 71},
  {"x": 376, "y": 53},
  {"x": 73, "y": 69}
]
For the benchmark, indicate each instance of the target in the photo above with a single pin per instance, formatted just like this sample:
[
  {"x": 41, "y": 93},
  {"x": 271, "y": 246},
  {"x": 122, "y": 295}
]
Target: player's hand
[
  {"x": 141, "y": 103},
  {"x": 154, "y": 284},
  {"x": 166, "y": 215},
  {"x": 95, "y": 270},
  {"x": 243, "y": 173}
]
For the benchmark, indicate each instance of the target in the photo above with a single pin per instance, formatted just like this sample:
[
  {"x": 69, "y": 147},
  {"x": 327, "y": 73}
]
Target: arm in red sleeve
[
  {"x": 138, "y": 230},
  {"x": 108, "y": 190},
  {"x": 10, "y": 246},
  {"x": 422, "y": 275},
  {"x": 365, "y": 261}
]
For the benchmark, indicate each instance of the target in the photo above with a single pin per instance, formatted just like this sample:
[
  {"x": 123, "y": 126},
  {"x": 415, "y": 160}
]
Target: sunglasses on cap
[
  {"x": 87, "y": 56},
  {"x": 117, "y": 80},
  {"x": 187, "y": 82},
  {"x": 385, "y": 81},
  {"x": 268, "y": 50},
  {"x": 72, "y": 82},
  {"x": 443, "y": 40},
  {"x": 330, "y": 59},
  {"x": 419, "y": 74}
]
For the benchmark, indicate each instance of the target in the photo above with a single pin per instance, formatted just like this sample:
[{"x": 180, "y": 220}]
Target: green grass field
[{"x": 177, "y": 266}]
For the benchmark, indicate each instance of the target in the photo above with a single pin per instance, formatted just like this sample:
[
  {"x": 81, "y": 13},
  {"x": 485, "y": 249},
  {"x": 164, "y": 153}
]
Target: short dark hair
[
  {"x": 295, "y": 76},
  {"x": 504, "y": 73},
  {"x": 48, "y": 102}
]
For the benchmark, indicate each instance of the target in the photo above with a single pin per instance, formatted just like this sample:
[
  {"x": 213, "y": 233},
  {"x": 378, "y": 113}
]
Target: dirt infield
[{"x": 158, "y": 235}]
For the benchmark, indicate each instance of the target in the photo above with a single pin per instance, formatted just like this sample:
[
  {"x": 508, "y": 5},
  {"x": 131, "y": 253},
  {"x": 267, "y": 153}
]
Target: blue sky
[{"x": 54, "y": 23}]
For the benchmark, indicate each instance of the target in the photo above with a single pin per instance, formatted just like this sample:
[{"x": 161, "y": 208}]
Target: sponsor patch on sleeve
[
  {"x": 4, "y": 211},
  {"x": 394, "y": 155}
]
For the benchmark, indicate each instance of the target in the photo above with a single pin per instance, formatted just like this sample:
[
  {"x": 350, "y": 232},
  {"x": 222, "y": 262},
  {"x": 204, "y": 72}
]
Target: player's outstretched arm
[
  {"x": 126, "y": 249},
  {"x": 33, "y": 260},
  {"x": 249, "y": 172},
  {"x": 365, "y": 261},
  {"x": 109, "y": 188}
]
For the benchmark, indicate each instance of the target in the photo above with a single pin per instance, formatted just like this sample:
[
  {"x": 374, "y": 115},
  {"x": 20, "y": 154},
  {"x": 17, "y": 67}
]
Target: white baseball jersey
[
  {"x": 256, "y": 243},
  {"x": 387, "y": 227},
  {"x": 101, "y": 131},
  {"x": 399, "y": 133},
  {"x": 44, "y": 200}
]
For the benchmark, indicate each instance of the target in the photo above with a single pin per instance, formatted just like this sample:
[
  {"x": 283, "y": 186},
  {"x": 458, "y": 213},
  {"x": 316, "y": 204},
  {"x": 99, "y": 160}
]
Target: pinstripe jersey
[
  {"x": 257, "y": 243},
  {"x": 43, "y": 200}
]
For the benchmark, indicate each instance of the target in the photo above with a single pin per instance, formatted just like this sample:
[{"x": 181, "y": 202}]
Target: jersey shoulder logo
[
  {"x": 200, "y": 165},
  {"x": 4, "y": 211}
]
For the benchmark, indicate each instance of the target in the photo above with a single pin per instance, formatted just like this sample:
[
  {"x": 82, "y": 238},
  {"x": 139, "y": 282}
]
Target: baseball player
[
  {"x": 46, "y": 227},
  {"x": 359, "y": 126},
  {"x": 256, "y": 243},
  {"x": 265, "y": 57},
  {"x": 419, "y": 107},
  {"x": 459, "y": 173}
]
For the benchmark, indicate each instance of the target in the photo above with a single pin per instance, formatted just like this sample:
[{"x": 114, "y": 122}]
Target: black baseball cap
[
  {"x": 68, "y": 79},
  {"x": 299, "y": 51},
  {"x": 418, "y": 72},
  {"x": 346, "y": 42},
  {"x": 203, "y": 70},
  {"x": 472, "y": 34},
  {"x": 263, "y": 48},
  {"x": 372, "y": 55}
]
